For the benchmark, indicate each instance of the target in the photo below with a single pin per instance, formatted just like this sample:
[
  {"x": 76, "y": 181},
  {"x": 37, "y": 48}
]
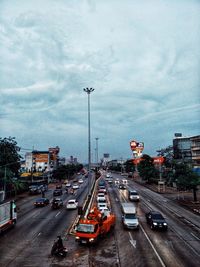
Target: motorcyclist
[
  {"x": 58, "y": 248},
  {"x": 59, "y": 243}
]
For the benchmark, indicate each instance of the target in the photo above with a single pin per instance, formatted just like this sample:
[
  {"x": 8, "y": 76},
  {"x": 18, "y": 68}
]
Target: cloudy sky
[{"x": 141, "y": 57}]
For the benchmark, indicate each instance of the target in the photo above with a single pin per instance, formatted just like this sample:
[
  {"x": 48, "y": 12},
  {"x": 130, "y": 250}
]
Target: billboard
[
  {"x": 137, "y": 148},
  {"x": 41, "y": 157}
]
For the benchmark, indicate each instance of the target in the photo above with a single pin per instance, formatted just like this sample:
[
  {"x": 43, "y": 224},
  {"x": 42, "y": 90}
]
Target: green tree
[
  {"x": 66, "y": 171},
  {"x": 147, "y": 169},
  {"x": 9, "y": 160},
  {"x": 186, "y": 178},
  {"x": 129, "y": 166}
]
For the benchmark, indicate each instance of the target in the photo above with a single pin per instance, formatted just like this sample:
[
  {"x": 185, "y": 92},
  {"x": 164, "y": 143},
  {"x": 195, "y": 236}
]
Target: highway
[{"x": 29, "y": 243}]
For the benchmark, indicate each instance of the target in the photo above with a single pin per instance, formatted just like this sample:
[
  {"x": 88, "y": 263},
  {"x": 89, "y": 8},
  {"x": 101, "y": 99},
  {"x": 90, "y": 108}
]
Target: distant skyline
[{"x": 141, "y": 57}]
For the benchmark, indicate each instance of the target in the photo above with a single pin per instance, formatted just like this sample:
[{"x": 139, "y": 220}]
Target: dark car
[
  {"x": 57, "y": 192},
  {"x": 34, "y": 189},
  {"x": 56, "y": 203},
  {"x": 122, "y": 186},
  {"x": 59, "y": 186},
  {"x": 41, "y": 202},
  {"x": 156, "y": 220}
]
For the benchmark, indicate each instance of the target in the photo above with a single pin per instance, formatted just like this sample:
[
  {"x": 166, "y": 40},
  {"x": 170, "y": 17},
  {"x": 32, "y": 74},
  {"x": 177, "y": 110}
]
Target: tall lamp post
[
  {"x": 89, "y": 91},
  {"x": 97, "y": 156}
]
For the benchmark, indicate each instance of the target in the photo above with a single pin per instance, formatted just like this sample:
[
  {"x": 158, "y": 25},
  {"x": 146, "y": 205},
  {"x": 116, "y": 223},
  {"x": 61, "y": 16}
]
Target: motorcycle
[{"x": 59, "y": 252}]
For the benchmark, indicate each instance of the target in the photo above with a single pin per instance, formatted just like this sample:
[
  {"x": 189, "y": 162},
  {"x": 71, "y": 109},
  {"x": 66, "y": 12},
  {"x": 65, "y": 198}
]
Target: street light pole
[
  {"x": 89, "y": 91},
  {"x": 97, "y": 158}
]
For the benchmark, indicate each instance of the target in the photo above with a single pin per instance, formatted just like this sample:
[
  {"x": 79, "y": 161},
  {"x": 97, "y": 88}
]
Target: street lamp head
[{"x": 88, "y": 90}]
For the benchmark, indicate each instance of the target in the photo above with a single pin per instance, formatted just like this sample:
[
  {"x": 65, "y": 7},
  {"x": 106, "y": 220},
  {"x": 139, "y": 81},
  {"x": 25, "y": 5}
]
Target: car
[
  {"x": 75, "y": 186},
  {"x": 34, "y": 189},
  {"x": 41, "y": 202},
  {"x": 101, "y": 195},
  {"x": 117, "y": 182},
  {"x": 133, "y": 195},
  {"x": 57, "y": 192},
  {"x": 122, "y": 186},
  {"x": 102, "y": 206},
  {"x": 156, "y": 220},
  {"x": 101, "y": 199},
  {"x": 59, "y": 186},
  {"x": 72, "y": 204},
  {"x": 102, "y": 190},
  {"x": 67, "y": 185},
  {"x": 56, "y": 203},
  {"x": 80, "y": 181}
]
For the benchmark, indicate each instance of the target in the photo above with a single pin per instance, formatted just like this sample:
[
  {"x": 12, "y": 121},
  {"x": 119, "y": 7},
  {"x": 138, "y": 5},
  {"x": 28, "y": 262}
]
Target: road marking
[
  {"x": 39, "y": 234},
  {"x": 132, "y": 241},
  {"x": 57, "y": 214},
  {"x": 195, "y": 236},
  {"x": 154, "y": 249}
]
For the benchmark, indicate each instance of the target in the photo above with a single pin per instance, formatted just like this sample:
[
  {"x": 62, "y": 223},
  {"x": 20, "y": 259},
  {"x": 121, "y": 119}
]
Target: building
[
  {"x": 106, "y": 159},
  {"x": 40, "y": 161},
  {"x": 195, "y": 151},
  {"x": 187, "y": 150},
  {"x": 182, "y": 149}
]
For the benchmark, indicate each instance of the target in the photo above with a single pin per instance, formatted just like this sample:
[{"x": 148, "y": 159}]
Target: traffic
[{"x": 122, "y": 223}]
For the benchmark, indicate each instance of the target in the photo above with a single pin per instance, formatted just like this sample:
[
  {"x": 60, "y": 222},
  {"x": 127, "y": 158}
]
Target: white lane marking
[
  {"x": 57, "y": 214},
  {"x": 154, "y": 249},
  {"x": 39, "y": 234},
  {"x": 132, "y": 241},
  {"x": 195, "y": 236}
]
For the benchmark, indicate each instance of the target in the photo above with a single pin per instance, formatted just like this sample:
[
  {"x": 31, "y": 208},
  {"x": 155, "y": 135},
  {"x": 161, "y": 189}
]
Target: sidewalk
[{"x": 183, "y": 198}]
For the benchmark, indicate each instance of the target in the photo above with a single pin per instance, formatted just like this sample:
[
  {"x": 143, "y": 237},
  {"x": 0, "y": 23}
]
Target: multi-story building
[
  {"x": 187, "y": 149},
  {"x": 182, "y": 149},
  {"x": 40, "y": 161},
  {"x": 195, "y": 150}
]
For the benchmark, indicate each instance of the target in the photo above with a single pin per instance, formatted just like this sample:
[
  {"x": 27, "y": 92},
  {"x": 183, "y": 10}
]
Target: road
[{"x": 29, "y": 243}]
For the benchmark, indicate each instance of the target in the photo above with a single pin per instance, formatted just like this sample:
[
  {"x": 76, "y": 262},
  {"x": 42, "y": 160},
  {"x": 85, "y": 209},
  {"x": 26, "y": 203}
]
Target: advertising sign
[{"x": 41, "y": 157}]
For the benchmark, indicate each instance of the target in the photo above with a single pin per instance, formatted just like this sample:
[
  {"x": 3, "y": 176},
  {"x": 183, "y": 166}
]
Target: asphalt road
[{"x": 29, "y": 243}]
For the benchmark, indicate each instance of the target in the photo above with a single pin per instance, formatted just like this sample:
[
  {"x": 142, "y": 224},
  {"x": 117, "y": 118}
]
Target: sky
[{"x": 141, "y": 57}]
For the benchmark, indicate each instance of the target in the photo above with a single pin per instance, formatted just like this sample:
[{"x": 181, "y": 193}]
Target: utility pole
[
  {"x": 89, "y": 91},
  {"x": 97, "y": 156}
]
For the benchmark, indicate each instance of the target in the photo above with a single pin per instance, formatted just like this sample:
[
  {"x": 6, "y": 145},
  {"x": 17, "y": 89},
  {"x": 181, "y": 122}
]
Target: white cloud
[{"x": 142, "y": 58}]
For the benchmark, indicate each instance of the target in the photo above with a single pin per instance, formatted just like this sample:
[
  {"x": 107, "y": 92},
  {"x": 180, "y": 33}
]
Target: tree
[
  {"x": 147, "y": 169},
  {"x": 9, "y": 160},
  {"x": 129, "y": 166},
  {"x": 66, "y": 171},
  {"x": 186, "y": 178}
]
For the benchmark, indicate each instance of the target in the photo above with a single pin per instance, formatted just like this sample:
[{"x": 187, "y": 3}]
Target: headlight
[
  {"x": 165, "y": 224},
  {"x": 155, "y": 223},
  {"x": 91, "y": 239},
  {"x": 77, "y": 237}
]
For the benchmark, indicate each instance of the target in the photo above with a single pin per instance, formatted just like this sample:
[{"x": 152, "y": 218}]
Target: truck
[
  {"x": 8, "y": 215},
  {"x": 95, "y": 225},
  {"x": 129, "y": 216}
]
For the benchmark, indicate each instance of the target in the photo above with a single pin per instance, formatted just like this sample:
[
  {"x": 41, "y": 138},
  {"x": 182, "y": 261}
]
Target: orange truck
[{"x": 97, "y": 224}]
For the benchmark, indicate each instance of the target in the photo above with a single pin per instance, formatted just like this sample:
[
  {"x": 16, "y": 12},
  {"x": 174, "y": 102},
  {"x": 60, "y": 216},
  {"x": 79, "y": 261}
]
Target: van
[
  {"x": 129, "y": 216},
  {"x": 133, "y": 195}
]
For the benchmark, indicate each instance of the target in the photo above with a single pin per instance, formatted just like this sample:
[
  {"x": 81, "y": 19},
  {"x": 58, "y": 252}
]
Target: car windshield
[
  {"x": 130, "y": 216},
  {"x": 85, "y": 228},
  {"x": 157, "y": 216},
  {"x": 133, "y": 193},
  {"x": 71, "y": 201}
]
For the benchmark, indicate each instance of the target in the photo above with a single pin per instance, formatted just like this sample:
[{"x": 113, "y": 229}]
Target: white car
[
  {"x": 80, "y": 181},
  {"x": 101, "y": 199},
  {"x": 75, "y": 186},
  {"x": 102, "y": 206},
  {"x": 68, "y": 185},
  {"x": 100, "y": 195},
  {"x": 72, "y": 204}
]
